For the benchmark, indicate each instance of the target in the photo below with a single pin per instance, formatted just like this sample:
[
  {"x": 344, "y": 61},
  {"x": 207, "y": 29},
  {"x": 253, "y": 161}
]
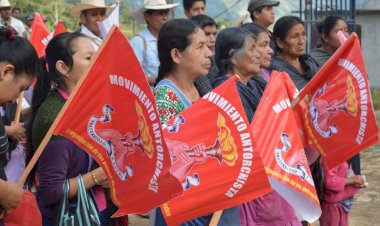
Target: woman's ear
[
  {"x": 279, "y": 43},
  {"x": 176, "y": 55},
  {"x": 62, "y": 68},
  {"x": 6, "y": 70},
  {"x": 234, "y": 61},
  {"x": 324, "y": 39}
]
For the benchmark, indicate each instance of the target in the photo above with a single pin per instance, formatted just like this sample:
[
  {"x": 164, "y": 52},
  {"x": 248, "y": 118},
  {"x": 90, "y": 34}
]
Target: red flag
[
  {"x": 222, "y": 170},
  {"x": 275, "y": 130},
  {"x": 340, "y": 93},
  {"x": 113, "y": 116},
  {"x": 40, "y": 35},
  {"x": 59, "y": 28}
]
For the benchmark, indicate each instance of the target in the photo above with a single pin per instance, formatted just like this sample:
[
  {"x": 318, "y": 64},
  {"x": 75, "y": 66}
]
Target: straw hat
[
  {"x": 4, "y": 4},
  {"x": 87, "y": 4},
  {"x": 154, "y": 5}
]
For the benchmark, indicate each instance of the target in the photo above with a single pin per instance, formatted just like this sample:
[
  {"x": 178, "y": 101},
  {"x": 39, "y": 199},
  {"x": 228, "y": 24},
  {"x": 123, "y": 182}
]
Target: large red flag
[
  {"x": 278, "y": 141},
  {"x": 59, "y": 28},
  {"x": 113, "y": 117},
  {"x": 340, "y": 93},
  {"x": 40, "y": 35},
  {"x": 223, "y": 170}
]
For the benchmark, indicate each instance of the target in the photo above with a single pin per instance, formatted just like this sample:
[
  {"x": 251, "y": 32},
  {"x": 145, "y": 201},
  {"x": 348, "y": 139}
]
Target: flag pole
[
  {"x": 19, "y": 107},
  {"x": 215, "y": 218},
  {"x": 296, "y": 101},
  {"x": 49, "y": 134}
]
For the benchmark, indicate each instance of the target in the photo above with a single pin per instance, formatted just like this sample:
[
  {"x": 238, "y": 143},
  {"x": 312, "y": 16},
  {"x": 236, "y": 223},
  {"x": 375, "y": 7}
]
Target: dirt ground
[{"x": 366, "y": 209}]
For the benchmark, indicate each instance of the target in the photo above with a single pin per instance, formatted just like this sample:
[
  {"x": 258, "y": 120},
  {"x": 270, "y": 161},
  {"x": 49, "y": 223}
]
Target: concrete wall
[{"x": 370, "y": 22}]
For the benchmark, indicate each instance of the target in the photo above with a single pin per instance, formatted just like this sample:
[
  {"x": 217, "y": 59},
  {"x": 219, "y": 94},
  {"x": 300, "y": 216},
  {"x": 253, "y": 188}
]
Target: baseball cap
[{"x": 254, "y": 4}]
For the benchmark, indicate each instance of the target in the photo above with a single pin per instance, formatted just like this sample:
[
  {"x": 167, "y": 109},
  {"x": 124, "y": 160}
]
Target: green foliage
[
  {"x": 55, "y": 10},
  {"x": 375, "y": 93},
  {"x": 51, "y": 9}
]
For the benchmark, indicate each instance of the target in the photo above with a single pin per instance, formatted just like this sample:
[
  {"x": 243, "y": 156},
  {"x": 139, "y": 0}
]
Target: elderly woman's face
[
  {"x": 295, "y": 41},
  {"x": 196, "y": 58},
  {"x": 248, "y": 63},
  {"x": 264, "y": 49}
]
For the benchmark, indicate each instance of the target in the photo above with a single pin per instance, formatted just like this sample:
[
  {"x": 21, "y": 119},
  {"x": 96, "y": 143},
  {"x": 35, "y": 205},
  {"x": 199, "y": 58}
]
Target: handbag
[{"x": 83, "y": 212}]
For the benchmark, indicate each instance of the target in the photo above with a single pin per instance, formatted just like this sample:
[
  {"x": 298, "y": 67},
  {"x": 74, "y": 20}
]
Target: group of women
[{"x": 184, "y": 57}]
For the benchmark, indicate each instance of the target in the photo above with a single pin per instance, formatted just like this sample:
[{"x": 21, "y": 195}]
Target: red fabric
[
  {"x": 340, "y": 93},
  {"x": 281, "y": 149},
  {"x": 235, "y": 175},
  {"x": 27, "y": 212},
  {"x": 59, "y": 28},
  {"x": 112, "y": 115},
  {"x": 40, "y": 35}
]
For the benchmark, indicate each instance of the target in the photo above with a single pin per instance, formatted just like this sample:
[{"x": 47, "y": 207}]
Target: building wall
[{"x": 371, "y": 44}]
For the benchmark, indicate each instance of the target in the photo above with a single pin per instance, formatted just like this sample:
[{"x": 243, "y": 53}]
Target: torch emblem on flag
[
  {"x": 322, "y": 112},
  {"x": 184, "y": 158},
  {"x": 119, "y": 147}
]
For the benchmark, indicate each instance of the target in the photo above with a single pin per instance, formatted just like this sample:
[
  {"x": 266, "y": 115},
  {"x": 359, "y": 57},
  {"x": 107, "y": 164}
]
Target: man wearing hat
[
  {"x": 89, "y": 13},
  {"x": 28, "y": 26},
  {"x": 154, "y": 13},
  {"x": 7, "y": 19},
  {"x": 261, "y": 12}
]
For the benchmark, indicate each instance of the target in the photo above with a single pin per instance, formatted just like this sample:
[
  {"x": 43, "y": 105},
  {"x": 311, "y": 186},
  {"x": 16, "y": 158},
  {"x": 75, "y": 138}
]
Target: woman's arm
[
  {"x": 60, "y": 160},
  {"x": 3, "y": 138},
  {"x": 90, "y": 179}
]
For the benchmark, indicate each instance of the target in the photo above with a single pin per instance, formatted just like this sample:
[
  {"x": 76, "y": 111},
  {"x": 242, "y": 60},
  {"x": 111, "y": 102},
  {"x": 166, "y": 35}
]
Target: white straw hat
[
  {"x": 154, "y": 5},
  {"x": 87, "y": 4},
  {"x": 4, "y": 4}
]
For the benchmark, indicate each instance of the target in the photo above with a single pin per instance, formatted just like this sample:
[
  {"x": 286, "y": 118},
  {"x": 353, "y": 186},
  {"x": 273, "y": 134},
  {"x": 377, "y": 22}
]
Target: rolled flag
[
  {"x": 112, "y": 19},
  {"x": 342, "y": 37}
]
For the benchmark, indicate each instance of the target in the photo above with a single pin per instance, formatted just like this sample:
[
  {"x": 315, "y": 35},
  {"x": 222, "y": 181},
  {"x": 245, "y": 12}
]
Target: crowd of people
[{"x": 186, "y": 57}]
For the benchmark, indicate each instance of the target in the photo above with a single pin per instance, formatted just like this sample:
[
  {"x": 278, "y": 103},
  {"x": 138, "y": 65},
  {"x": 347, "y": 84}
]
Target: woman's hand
[
  {"x": 16, "y": 131},
  {"x": 101, "y": 177},
  {"x": 10, "y": 195},
  {"x": 356, "y": 181}
]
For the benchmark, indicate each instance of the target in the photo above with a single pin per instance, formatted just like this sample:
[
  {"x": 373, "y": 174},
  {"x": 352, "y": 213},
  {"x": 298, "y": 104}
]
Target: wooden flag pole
[
  {"x": 19, "y": 107},
  {"x": 215, "y": 218},
  {"x": 296, "y": 101}
]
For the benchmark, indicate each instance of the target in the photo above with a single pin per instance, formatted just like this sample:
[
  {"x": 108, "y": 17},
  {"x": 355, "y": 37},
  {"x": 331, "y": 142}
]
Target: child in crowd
[{"x": 340, "y": 186}]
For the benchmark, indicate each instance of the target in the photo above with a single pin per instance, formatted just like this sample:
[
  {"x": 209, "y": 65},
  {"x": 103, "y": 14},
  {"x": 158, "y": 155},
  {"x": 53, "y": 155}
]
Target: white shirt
[
  {"x": 147, "y": 54},
  {"x": 95, "y": 40},
  {"x": 18, "y": 25}
]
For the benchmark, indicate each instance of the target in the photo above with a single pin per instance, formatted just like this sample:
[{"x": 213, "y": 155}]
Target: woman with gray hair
[{"x": 235, "y": 53}]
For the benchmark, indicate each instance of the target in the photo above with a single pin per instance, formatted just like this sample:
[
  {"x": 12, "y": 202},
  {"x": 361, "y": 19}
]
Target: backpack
[{"x": 318, "y": 177}]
